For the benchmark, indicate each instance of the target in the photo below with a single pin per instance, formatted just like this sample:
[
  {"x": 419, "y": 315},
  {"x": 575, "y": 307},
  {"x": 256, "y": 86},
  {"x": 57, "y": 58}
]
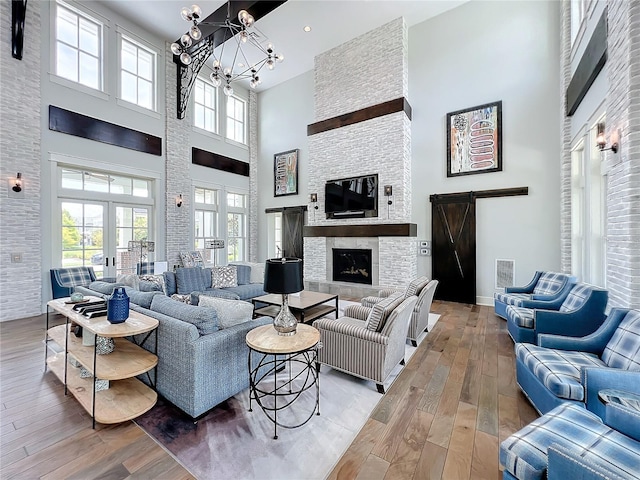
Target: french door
[{"x": 97, "y": 234}]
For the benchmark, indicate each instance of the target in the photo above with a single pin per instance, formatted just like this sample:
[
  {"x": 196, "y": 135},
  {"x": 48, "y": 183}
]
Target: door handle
[
  {"x": 113, "y": 262},
  {"x": 106, "y": 259}
]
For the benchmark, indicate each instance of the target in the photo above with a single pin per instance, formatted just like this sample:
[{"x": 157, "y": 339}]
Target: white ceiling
[{"x": 333, "y": 22}]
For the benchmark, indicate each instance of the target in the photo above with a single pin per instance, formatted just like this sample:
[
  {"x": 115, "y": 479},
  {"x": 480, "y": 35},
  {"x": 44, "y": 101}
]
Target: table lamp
[{"x": 284, "y": 276}]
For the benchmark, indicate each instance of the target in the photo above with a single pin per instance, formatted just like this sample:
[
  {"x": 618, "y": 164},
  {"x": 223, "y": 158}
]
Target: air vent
[{"x": 505, "y": 273}]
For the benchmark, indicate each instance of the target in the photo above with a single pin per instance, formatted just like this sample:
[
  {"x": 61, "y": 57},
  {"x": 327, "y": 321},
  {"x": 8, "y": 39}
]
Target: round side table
[{"x": 300, "y": 350}]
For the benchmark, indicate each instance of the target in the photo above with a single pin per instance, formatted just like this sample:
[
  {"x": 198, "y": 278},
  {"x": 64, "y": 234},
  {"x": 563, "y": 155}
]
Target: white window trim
[
  {"x": 231, "y": 141},
  {"x": 242, "y": 210},
  {"x": 157, "y": 58},
  {"x": 217, "y": 115},
  {"x": 103, "y": 92}
]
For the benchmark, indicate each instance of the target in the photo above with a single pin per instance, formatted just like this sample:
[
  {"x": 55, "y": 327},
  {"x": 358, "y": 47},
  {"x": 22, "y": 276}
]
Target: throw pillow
[
  {"x": 416, "y": 286},
  {"x": 230, "y": 312},
  {"x": 129, "y": 279},
  {"x": 106, "y": 288},
  {"x": 224, "y": 277},
  {"x": 243, "y": 273},
  {"x": 182, "y": 298},
  {"x": 257, "y": 273},
  {"x": 192, "y": 259},
  {"x": 156, "y": 280},
  {"x": 204, "y": 319},
  {"x": 189, "y": 280},
  {"x": 381, "y": 311}
]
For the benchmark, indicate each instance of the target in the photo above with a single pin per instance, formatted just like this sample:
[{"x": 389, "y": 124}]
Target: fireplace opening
[{"x": 352, "y": 265}]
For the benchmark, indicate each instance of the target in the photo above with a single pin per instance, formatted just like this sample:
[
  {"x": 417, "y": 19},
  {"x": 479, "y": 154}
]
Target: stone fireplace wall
[{"x": 366, "y": 71}]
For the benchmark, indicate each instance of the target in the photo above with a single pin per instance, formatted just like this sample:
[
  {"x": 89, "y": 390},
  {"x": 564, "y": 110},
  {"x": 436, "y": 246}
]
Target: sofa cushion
[
  {"x": 170, "y": 283},
  {"x": 573, "y": 428},
  {"x": 151, "y": 283},
  {"x": 515, "y": 299},
  {"x": 576, "y": 298},
  {"x": 243, "y": 273},
  {"x": 105, "y": 288},
  {"x": 224, "y": 277},
  {"x": 143, "y": 299},
  {"x": 204, "y": 319},
  {"x": 522, "y": 317},
  {"x": 549, "y": 283},
  {"x": 558, "y": 370},
  {"x": 190, "y": 280},
  {"x": 245, "y": 292},
  {"x": 229, "y": 312},
  {"x": 381, "y": 311},
  {"x": 623, "y": 350}
]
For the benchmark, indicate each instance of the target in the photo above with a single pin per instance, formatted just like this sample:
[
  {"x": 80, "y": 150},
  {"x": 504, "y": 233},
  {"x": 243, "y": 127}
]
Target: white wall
[
  {"x": 284, "y": 111},
  {"x": 478, "y": 53}
]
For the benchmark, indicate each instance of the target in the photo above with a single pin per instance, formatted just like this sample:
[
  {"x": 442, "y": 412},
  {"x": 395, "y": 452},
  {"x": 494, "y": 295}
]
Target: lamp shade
[{"x": 283, "y": 275}]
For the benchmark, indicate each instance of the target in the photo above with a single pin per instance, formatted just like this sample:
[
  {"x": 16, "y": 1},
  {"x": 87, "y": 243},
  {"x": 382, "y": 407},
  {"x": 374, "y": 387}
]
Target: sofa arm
[
  {"x": 565, "y": 464},
  {"x": 349, "y": 329},
  {"x": 592, "y": 343},
  {"x": 553, "y": 304},
  {"x": 357, "y": 311},
  {"x": 596, "y": 379},
  {"x": 575, "y": 324},
  {"x": 528, "y": 288}
]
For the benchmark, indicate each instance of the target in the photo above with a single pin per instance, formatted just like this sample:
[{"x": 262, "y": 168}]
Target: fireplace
[{"x": 352, "y": 265}]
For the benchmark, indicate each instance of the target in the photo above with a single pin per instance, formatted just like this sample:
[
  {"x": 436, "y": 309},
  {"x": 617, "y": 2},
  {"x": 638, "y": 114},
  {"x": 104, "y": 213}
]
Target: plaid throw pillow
[{"x": 224, "y": 277}]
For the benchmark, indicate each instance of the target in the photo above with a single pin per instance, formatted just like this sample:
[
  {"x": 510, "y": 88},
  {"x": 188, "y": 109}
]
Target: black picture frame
[
  {"x": 474, "y": 140},
  {"x": 285, "y": 173}
]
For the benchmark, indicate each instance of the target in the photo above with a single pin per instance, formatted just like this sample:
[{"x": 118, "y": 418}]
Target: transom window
[
  {"x": 137, "y": 74},
  {"x": 236, "y": 113},
  {"x": 78, "y": 47},
  {"x": 104, "y": 182},
  {"x": 205, "y": 101}
]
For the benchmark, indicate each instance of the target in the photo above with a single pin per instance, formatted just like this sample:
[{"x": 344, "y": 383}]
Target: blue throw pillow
[
  {"x": 205, "y": 319},
  {"x": 170, "y": 283},
  {"x": 243, "y": 273},
  {"x": 190, "y": 279}
]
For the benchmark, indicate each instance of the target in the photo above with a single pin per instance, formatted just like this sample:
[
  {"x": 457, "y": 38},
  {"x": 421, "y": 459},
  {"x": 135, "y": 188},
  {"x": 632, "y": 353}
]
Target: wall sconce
[
  {"x": 388, "y": 192},
  {"x": 601, "y": 142},
  {"x": 179, "y": 201},
  {"x": 17, "y": 183},
  {"x": 314, "y": 199}
]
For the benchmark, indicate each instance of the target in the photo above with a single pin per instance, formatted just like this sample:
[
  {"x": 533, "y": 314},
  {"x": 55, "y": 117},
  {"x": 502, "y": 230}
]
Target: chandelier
[{"x": 236, "y": 64}]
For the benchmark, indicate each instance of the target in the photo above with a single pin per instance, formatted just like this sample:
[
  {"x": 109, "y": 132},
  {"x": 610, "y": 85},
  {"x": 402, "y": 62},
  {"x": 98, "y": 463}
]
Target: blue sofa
[
  {"x": 544, "y": 287},
  {"x": 568, "y": 369},
  {"x": 579, "y": 314}
]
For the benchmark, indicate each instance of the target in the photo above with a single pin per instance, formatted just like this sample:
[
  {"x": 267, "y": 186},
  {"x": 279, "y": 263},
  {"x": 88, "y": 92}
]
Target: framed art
[
  {"x": 285, "y": 173},
  {"x": 474, "y": 140}
]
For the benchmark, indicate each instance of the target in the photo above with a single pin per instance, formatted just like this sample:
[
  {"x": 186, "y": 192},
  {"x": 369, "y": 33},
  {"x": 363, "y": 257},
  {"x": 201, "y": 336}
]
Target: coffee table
[{"x": 306, "y": 307}]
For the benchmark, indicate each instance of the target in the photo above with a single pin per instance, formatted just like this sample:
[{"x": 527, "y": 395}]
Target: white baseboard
[{"x": 486, "y": 301}]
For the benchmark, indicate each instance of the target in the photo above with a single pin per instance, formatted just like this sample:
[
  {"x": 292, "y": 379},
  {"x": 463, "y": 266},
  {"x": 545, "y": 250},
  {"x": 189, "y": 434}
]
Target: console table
[
  {"x": 299, "y": 350},
  {"x": 127, "y": 397}
]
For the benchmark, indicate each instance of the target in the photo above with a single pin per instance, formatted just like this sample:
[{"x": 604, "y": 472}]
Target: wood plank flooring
[{"x": 443, "y": 417}]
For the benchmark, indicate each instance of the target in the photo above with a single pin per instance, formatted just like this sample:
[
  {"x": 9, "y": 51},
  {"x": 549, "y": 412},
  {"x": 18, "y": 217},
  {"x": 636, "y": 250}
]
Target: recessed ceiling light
[
  {"x": 307, "y": 28},
  {"x": 241, "y": 64}
]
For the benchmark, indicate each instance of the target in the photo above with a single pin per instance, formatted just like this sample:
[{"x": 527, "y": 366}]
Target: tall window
[
  {"x": 137, "y": 74},
  {"x": 236, "y": 113},
  {"x": 78, "y": 47},
  {"x": 206, "y": 220},
  {"x": 578, "y": 11},
  {"x": 205, "y": 106},
  {"x": 236, "y": 227}
]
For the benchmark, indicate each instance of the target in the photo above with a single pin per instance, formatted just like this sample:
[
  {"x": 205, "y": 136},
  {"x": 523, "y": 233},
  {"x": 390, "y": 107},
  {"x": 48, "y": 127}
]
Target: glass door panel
[
  {"x": 83, "y": 235},
  {"x": 132, "y": 224}
]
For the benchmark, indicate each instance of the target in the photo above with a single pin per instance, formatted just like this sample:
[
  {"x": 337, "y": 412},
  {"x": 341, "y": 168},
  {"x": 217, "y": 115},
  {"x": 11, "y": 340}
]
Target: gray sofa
[{"x": 195, "y": 371}]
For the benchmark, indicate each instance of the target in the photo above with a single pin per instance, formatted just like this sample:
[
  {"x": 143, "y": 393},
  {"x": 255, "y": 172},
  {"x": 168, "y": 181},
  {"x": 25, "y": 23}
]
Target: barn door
[
  {"x": 292, "y": 223},
  {"x": 453, "y": 230}
]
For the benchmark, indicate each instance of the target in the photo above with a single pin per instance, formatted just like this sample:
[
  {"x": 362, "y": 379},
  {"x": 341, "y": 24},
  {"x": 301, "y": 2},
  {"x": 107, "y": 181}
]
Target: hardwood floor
[{"x": 443, "y": 417}]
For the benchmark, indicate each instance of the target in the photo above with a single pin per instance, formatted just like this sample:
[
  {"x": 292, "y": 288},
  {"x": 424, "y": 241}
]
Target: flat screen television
[{"x": 351, "y": 197}]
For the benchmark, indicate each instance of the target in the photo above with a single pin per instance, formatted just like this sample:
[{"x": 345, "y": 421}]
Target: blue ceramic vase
[{"x": 118, "y": 306}]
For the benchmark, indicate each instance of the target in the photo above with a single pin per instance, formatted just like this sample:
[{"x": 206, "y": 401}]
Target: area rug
[{"x": 232, "y": 443}]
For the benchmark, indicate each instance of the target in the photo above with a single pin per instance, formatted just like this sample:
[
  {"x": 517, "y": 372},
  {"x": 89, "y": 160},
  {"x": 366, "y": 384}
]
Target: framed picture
[
  {"x": 474, "y": 140},
  {"x": 285, "y": 173}
]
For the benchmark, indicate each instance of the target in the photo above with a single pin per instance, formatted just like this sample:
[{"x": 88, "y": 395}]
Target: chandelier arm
[{"x": 187, "y": 74}]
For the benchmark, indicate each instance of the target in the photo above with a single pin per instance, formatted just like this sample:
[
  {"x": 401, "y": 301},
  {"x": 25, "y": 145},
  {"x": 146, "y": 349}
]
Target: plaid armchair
[{"x": 64, "y": 280}]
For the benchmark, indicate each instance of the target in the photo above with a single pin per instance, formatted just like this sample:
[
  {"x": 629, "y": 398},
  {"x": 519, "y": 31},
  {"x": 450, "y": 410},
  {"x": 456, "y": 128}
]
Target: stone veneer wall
[
  {"x": 565, "y": 166},
  {"x": 623, "y": 113},
  {"x": 365, "y": 71},
  {"x": 20, "y": 283},
  {"x": 177, "y": 178},
  {"x": 253, "y": 176}
]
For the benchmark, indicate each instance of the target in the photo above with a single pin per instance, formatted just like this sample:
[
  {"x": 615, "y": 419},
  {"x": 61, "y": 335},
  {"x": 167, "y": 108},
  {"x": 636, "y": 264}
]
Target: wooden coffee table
[{"x": 306, "y": 307}]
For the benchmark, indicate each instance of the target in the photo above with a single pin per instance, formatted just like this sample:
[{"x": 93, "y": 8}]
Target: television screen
[{"x": 352, "y": 194}]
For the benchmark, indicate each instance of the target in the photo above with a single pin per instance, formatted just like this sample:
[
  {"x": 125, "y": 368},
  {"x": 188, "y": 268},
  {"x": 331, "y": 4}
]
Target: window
[
  {"x": 78, "y": 47},
  {"x": 103, "y": 182},
  {"x": 137, "y": 74},
  {"x": 578, "y": 11},
  {"x": 205, "y": 221},
  {"x": 236, "y": 227},
  {"x": 236, "y": 111},
  {"x": 205, "y": 100}
]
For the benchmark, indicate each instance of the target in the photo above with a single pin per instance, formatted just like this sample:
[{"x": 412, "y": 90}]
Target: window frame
[
  {"x": 216, "y": 108},
  {"x": 124, "y": 36},
  {"x": 244, "y": 213},
  {"x": 229, "y": 118},
  {"x": 208, "y": 255},
  {"x": 101, "y": 23}
]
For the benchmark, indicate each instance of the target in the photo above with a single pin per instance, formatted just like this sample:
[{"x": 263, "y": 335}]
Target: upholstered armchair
[
  {"x": 413, "y": 288},
  {"x": 580, "y": 314},
  {"x": 543, "y": 291},
  {"x": 64, "y": 280},
  {"x": 370, "y": 347}
]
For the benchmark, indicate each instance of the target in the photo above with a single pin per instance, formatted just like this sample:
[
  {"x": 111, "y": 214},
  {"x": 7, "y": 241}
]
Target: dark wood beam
[
  {"x": 219, "y": 162},
  {"x": 471, "y": 196},
  {"x": 380, "y": 230},
  {"x": 374, "y": 111},
  {"x": 18, "y": 14}
]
